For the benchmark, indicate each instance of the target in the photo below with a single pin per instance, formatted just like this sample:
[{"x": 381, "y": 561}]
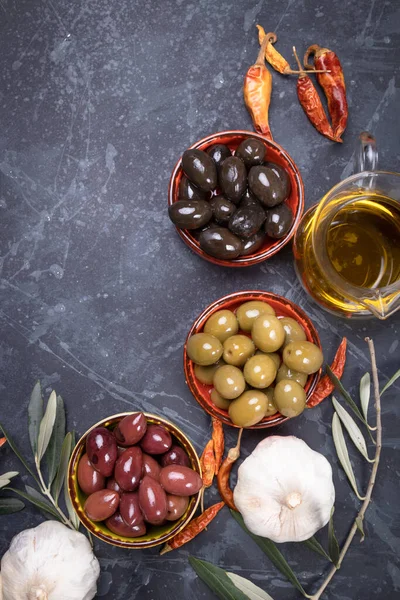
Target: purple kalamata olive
[
  {"x": 113, "y": 485},
  {"x": 152, "y": 501},
  {"x": 180, "y": 481},
  {"x": 101, "y": 448},
  {"x": 101, "y": 504},
  {"x": 117, "y": 525},
  {"x": 151, "y": 467},
  {"x": 130, "y": 509},
  {"x": 120, "y": 451},
  {"x": 131, "y": 429},
  {"x": 156, "y": 440},
  {"x": 176, "y": 506},
  {"x": 175, "y": 456},
  {"x": 89, "y": 479},
  {"x": 128, "y": 469}
]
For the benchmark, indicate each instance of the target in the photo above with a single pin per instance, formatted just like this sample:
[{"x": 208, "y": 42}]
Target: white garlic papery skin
[
  {"x": 49, "y": 562},
  {"x": 284, "y": 490}
]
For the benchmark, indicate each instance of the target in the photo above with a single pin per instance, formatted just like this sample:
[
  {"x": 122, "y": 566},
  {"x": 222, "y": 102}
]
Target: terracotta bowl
[
  {"x": 156, "y": 534},
  {"x": 275, "y": 154},
  {"x": 283, "y": 308}
]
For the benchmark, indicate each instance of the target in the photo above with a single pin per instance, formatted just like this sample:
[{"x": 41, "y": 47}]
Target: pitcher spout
[{"x": 382, "y": 305}]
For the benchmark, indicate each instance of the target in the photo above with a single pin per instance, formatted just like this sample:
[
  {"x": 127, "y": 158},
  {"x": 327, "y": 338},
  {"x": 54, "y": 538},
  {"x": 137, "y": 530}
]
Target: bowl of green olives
[
  {"x": 235, "y": 198},
  {"x": 134, "y": 480},
  {"x": 252, "y": 359}
]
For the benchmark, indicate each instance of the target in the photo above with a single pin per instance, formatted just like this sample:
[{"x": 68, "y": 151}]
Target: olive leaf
[
  {"x": 46, "y": 426},
  {"x": 35, "y": 500},
  {"x": 273, "y": 554},
  {"x": 39, "y": 496},
  {"x": 6, "y": 478},
  {"x": 334, "y": 550},
  {"x": 360, "y": 527},
  {"x": 10, "y": 505},
  {"x": 314, "y": 545},
  {"x": 63, "y": 466},
  {"x": 391, "y": 381},
  {"x": 35, "y": 415},
  {"x": 252, "y": 591},
  {"x": 18, "y": 454},
  {"x": 365, "y": 392},
  {"x": 217, "y": 580},
  {"x": 53, "y": 454},
  {"x": 341, "y": 449},
  {"x": 352, "y": 429},
  {"x": 73, "y": 517}
]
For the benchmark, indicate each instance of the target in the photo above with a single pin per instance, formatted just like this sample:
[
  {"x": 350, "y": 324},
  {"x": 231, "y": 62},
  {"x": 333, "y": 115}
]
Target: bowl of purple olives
[
  {"x": 134, "y": 480},
  {"x": 235, "y": 198}
]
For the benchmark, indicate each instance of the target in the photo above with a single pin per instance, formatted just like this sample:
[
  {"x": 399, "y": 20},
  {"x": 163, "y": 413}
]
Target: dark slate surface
[{"x": 98, "y": 99}]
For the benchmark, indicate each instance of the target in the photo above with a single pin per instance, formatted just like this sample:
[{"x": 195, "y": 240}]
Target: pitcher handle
[{"x": 367, "y": 157}]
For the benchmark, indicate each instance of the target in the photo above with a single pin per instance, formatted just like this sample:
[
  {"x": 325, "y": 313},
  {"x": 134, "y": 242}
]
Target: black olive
[
  {"x": 251, "y": 151},
  {"x": 279, "y": 221},
  {"x": 221, "y": 243},
  {"x": 233, "y": 178},
  {"x": 200, "y": 169},
  {"x": 218, "y": 152},
  {"x": 188, "y": 191},
  {"x": 187, "y": 214},
  {"x": 222, "y": 209},
  {"x": 246, "y": 221},
  {"x": 269, "y": 186},
  {"x": 252, "y": 244}
]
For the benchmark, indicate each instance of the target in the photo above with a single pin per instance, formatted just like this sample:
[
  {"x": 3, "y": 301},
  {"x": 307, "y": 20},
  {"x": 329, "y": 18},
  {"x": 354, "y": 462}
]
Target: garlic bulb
[
  {"x": 49, "y": 562},
  {"x": 284, "y": 490}
]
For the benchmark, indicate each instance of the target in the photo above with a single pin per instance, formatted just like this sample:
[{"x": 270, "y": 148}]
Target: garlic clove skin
[
  {"x": 285, "y": 490},
  {"x": 49, "y": 562}
]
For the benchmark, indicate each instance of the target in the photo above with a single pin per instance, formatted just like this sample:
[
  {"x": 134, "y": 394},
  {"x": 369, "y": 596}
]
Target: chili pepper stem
[
  {"x": 301, "y": 70},
  {"x": 260, "y": 58},
  {"x": 310, "y": 50},
  {"x": 202, "y": 500},
  {"x": 167, "y": 548}
]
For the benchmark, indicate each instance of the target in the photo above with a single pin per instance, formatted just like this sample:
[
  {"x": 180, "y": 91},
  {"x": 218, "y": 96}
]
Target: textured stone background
[{"x": 98, "y": 99}]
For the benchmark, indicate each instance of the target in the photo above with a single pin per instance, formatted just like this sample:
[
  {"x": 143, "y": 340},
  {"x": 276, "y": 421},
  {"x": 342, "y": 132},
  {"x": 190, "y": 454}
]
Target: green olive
[
  {"x": 222, "y": 324},
  {"x": 304, "y": 357},
  {"x": 205, "y": 374},
  {"x": 289, "y": 398},
  {"x": 271, "y": 409},
  {"x": 293, "y": 331},
  {"x": 285, "y": 373},
  {"x": 229, "y": 382},
  {"x": 249, "y": 408},
  {"x": 219, "y": 401},
  {"x": 237, "y": 349},
  {"x": 248, "y": 312},
  {"x": 274, "y": 355},
  {"x": 204, "y": 349},
  {"x": 259, "y": 371},
  {"x": 268, "y": 333}
]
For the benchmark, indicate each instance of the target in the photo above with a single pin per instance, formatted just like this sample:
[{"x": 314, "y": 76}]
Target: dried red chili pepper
[
  {"x": 2, "y": 441},
  {"x": 275, "y": 59},
  {"x": 333, "y": 84},
  {"x": 224, "y": 474},
  {"x": 193, "y": 529},
  {"x": 311, "y": 103},
  {"x": 325, "y": 387},
  {"x": 257, "y": 92},
  {"x": 207, "y": 462},
  {"x": 219, "y": 442}
]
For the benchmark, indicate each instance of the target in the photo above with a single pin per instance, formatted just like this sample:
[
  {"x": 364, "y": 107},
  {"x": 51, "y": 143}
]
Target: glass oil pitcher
[{"x": 347, "y": 247}]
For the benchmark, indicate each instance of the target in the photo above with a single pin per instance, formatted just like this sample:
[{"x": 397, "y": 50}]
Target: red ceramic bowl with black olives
[
  {"x": 155, "y": 535},
  {"x": 283, "y": 308},
  {"x": 295, "y": 202}
]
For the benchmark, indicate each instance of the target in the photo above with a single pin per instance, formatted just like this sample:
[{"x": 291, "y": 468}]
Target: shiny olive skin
[
  {"x": 200, "y": 169},
  {"x": 176, "y": 506},
  {"x": 218, "y": 152},
  {"x": 248, "y": 312},
  {"x": 222, "y": 209},
  {"x": 188, "y": 191},
  {"x": 246, "y": 221},
  {"x": 251, "y": 151},
  {"x": 131, "y": 429},
  {"x": 229, "y": 382},
  {"x": 101, "y": 504},
  {"x": 222, "y": 324},
  {"x": 129, "y": 508},
  {"x": 271, "y": 408},
  {"x": 128, "y": 469},
  {"x": 249, "y": 199},
  {"x": 151, "y": 467},
  {"x": 204, "y": 349},
  {"x": 249, "y": 408},
  {"x": 156, "y": 440},
  {"x": 285, "y": 373},
  {"x": 305, "y": 357},
  {"x": 252, "y": 244},
  {"x": 289, "y": 398},
  {"x": 221, "y": 243},
  {"x": 175, "y": 456},
  {"x": 197, "y": 232},
  {"x": 206, "y": 374},
  {"x": 233, "y": 178},
  {"x": 293, "y": 331},
  {"x": 268, "y": 333},
  {"x": 281, "y": 174},
  {"x": 278, "y": 222},
  {"x": 267, "y": 186},
  {"x": 101, "y": 448},
  {"x": 237, "y": 349},
  {"x": 190, "y": 214},
  {"x": 259, "y": 371},
  {"x": 113, "y": 485},
  {"x": 88, "y": 478},
  {"x": 219, "y": 401},
  {"x": 274, "y": 356},
  {"x": 117, "y": 525},
  {"x": 152, "y": 500},
  {"x": 180, "y": 481}
]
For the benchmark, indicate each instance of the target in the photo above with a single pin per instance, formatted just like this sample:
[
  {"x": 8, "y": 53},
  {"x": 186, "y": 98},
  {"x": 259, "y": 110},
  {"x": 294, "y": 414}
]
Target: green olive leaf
[
  {"x": 39, "y": 503},
  {"x": 10, "y": 505},
  {"x": 53, "y": 454},
  {"x": 391, "y": 381},
  {"x": 35, "y": 415},
  {"x": 63, "y": 466},
  {"x": 334, "y": 550},
  {"x": 217, "y": 580},
  {"x": 18, "y": 453},
  {"x": 314, "y": 545},
  {"x": 360, "y": 527},
  {"x": 6, "y": 478},
  {"x": 46, "y": 426},
  {"x": 343, "y": 455},
  {"x": 365, "y": 393},
  {"x": 352, "y": 429},
  {"x": 252, "y": 591}
]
